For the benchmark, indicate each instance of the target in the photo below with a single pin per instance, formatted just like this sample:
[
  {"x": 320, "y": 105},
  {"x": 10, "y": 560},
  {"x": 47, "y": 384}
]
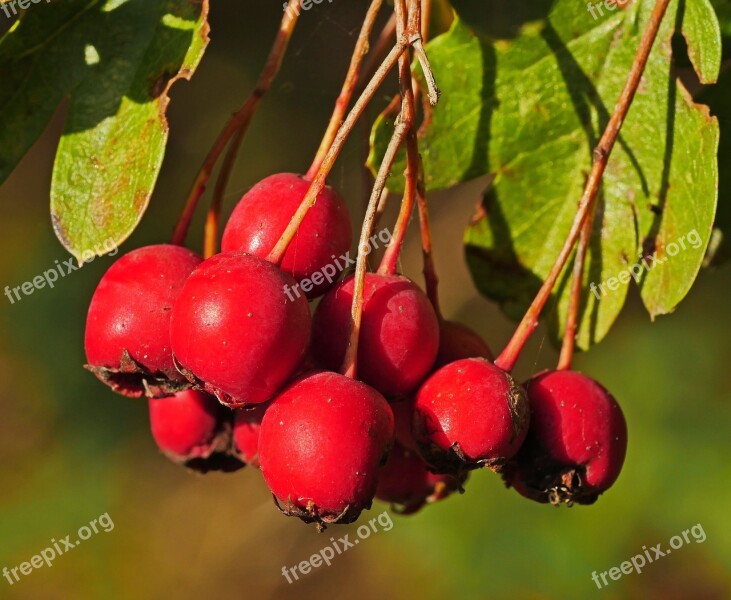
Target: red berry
[
  {"x": 127, "y": 336},
  {"x": 469, "y": 414},
  {"x": 576, "y": 443},
  {"x": 193, "y": 429},
  {"x": 399, "y": 334},
  {"x": 247, "y": 426},
  {"x": 457, "y": 341},
  {"x": 321, "y": 443},
  {"x": 235, "y": 333},
  {"x": 263, "y": 214},
  {"x": 406, "y": 482}
]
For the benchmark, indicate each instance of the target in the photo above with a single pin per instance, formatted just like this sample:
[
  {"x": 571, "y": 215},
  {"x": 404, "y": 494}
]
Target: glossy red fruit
[
  {"x": 193, "y": 429},
  {"x": 406, "y": 483},
  {"x": 469, "y": 414},
  {"x": 576, "y": 444},
  {"x": 457, "y": 341},
  {"x": 326, "y": 233},
  {"x": 321, "y": 443},
  {"x": 247, "y": 426},
  {"x": 235, "y": 333},
  {"x": 127, "y": 338},
  {"x": 399, "y": 334}
]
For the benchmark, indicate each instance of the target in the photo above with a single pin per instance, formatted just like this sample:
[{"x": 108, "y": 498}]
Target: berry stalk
[
  {"x": 380, "y": 48},
  {"x": 408, "y": 115},
  {"x": 239, "y": 121},
  {"x": 404, "y": 128},
  {"x": 572, "y": 318},
  {"x": 318, "y": 182},
  {"x": 431, "y": 280},
  {"x": 349, "y": 86},
  {"x": 393, "y": 106},
  {"x": 213, "y": 217},
  {"x": 349, "y": 368},
  {"x": 527, "y": 326}
]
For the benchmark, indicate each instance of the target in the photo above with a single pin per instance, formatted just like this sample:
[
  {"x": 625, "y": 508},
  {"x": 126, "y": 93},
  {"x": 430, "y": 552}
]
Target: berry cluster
[{"x": 237, "y": 372}]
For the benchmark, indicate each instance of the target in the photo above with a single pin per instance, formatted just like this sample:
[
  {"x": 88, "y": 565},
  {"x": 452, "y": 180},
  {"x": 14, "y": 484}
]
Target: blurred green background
[{"x": 71, "y": 450}]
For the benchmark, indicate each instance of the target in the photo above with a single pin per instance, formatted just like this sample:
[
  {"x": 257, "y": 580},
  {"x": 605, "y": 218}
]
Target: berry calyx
[
  {"x": 399, "y": 334},
  {"x": 457, "y": 341},
  {"x": 127, "y": 338},
  {"x": 247, "y": 427},
  {"x": 576, "y": 444},
  {"x": 262, "y": 215},
  {"x": 469, "y": 414},
  {"x": 407, "y": 484},
  {"x": 193, "y": 429},
  {"x": 235, "y": 333},
  {"x": 321, "y": 443}
]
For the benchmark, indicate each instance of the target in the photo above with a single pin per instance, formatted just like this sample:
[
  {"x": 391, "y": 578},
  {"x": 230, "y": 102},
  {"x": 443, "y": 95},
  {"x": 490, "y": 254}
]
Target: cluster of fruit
[{"x": 238, "y": 372}]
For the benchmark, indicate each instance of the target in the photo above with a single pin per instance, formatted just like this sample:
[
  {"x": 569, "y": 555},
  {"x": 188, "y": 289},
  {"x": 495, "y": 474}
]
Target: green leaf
[
  {"x": 114, "y": 61},
  {"x": 702, "y": 28},
  {"x": 527, "y": 103}
]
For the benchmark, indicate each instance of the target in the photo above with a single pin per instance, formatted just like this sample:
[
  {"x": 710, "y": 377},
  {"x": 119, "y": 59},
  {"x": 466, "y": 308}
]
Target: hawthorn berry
[
  {"x": 320, "y": 446},
  {"x": 127, "y": 338},
  {"x": 457, "y": 341},
  {"x": 406, "y": 483},
  {"x": 469, "y": 414},
  {"x": 193, "y": 429},
  {"x": 247, "y": 426},
  {"x": 235, "y": 333},
  {"x": 576, "y": 443},
  {"x": 399, "y": 335},
  {"x": 262, "y": 215}
]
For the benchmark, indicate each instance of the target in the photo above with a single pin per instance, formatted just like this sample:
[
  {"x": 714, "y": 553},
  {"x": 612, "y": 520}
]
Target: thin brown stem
[
  {"x": 382, "y": 45},
  {"x": 239, "y": 120},
  {"x": 431, "y": 280},
  {"x": 382, "y": 205},
  {"x": 425, "y": 19},
  {"x": 572, "y": 317},
  {"x": 401, "y": 131},
  {"x": 318, "y": 182},
  {"x": 349, "y": 86},
  {"x": 408, "y": 114},
  {"x": 379, "y": 49},
  {"x": 527, "y": 326},
  {"x": 389, "y": 263},
  {"x": 431, "y": 83},
  {"x": 213, "y": 217},
  {"x": 349, "y": 367}
]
